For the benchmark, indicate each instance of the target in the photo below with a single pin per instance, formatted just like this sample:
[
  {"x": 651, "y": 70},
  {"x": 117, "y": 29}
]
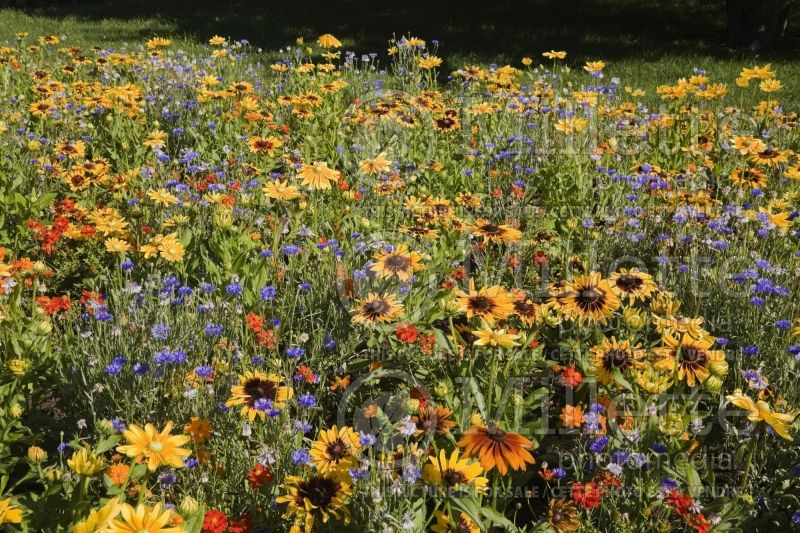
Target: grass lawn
[{"x": 644, "y": 42}]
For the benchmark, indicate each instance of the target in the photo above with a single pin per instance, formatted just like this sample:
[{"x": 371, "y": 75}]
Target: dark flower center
[
  {"x": 617, "y": 359},
  {"x": 258, "y": 388},
  {"x": 692, "y": 356},
  {"x": 590, "y": 298},
  {"x": 320, "y": 491},
  {"x": 481, "y": 304},
  {"x": 453, "y": 477},
  {"x": 336, "y": 450},
  {"x": 629, "y": 283},
  {"x": 495, "y": 433},
  {"x": 376, "y": 308},
  {"x": 491, "y": 229},
  {"x": 397, "y": 262}
]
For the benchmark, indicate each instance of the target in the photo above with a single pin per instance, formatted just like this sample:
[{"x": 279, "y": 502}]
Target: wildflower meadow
[{"x": 325, "y": 291}]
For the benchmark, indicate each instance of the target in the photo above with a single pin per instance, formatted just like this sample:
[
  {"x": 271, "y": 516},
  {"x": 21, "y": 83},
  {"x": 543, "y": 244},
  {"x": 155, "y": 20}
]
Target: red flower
[
  {"x": 406, "y": 333},
  {"x": 587, "y": 495},
  {"x": 240, "y": 525},
  {"x": 571, "y": 377},
  {"x": 680, "y": 501},
  {"x": 215, "y": 522},
  {"x": 53, "y": 305},
  {"x": 259, "y": 475}
]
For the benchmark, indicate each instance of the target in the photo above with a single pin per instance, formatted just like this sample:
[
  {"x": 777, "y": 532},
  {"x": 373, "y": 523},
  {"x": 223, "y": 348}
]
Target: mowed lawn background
[{"x": 645, "y": 42}]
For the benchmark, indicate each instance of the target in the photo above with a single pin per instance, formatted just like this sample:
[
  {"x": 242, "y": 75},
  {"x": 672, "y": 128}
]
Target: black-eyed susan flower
[
  {"x": 694, "y": 360},
  {"x": 378, "y": 309},
  {"x": 432, "y": 420},
  {"x": 632, "y": 284},
  {"x": 464, "y": 524},
  {"x": 316, "y": 496},
  {"x": 259, "y": 394},
  {"x": 758, "y": 411},
  {"x": 562, "y": 515},
  {"x": 335, "y": 450},
  {"x": 454, "y": 473},
  {"x": 612, "y": 356},
  {"x": 495, "y": 233},
  {"x": 497, "y": 448},
  {"x": 397, "y": 261},
  {"x": 589, "y": 298},
  {"x": 489, "y": 303}
]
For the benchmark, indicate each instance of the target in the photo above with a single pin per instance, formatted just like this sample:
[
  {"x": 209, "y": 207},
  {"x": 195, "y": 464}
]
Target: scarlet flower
[
  {"x": 540, "y": 258},
  {"x": 240, "y": 525},
  {"x": 53, "y": 305},
  {"x": 259, "y": 475},
  {"x": 587, "y": 495},
  {"x": 215, "y": 522},
  {"x": 571, "y": 377},
  {"x": 681, "y": 502},
  {"x": 406, "y": 333}
]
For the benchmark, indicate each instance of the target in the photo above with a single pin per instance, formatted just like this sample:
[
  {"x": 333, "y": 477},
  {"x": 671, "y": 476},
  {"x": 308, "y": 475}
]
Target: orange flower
[
  {"x": 199, "y": 429},
  {"x": 118, "y": 473},
  {"x": 495, "y": 447},
  {"x": 572, "y": 416}
]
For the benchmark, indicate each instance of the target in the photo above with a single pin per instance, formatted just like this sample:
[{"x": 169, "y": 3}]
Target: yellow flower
[
  {"x": 318, "y": 175},
  {"x": 153, "y": 447},
  {"x": 36, "y": 454},
  {"x": 171, "y": 248},
  {"x": 157, "y": 42},
  {"x": 329, "y": 41},
  {"x": 18, "y": 366},
  {"x": 143, "y": 518},
  {"x": 554, "y": 54},
  {"x": 85, "y": 462},
  {"x": 99, "y": 519},
  {"x": 494, "y": 337},
  {"x": 115, "y": 245},
  {"x": 454, "y": 473},
  {"x": 216, "y": 41},
  {"x": 770, "y": 86},
  {"x": 280, "y": 190},
  {"x": 375, "y": 166},
  {"x": 335, "y": 450},
  {"x": 761, "y": 411},
  {"x": 593, "y": 67},
  {"x": 527, "y": 61},
  {"x": 8, "y": 513},
  {"x": 163, "y": 197},
  {"x": 429, "y": 62}
]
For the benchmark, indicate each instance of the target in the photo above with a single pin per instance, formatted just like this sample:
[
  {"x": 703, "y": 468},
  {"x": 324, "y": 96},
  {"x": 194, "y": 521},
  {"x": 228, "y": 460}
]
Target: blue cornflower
[
  {"x": 204, "y": 371},
  {"x": 751, "y": 349},
  {"x": 301, "y": 457},
  {"x": 295, "y": 352},
  {"x": 267, "y": 293},
  {"x": 234, "y": 289},
  {"x": 212, "y": 330},
  {"x": 160, "y": 331},
  {"x": 126, "y": 265},
  {"x": 307, "y": 401},
  {"x": 118, "y": 424}
]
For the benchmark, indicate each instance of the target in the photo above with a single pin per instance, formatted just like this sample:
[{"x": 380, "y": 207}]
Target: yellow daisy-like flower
[
  {"x": 99, "y": 519},
  {"x": 317, "y": 496},
  {"x": 761, "y": 411},
  {"x": 377, "y": 308},
  {"x": 318, "y": 175},
  {"x": 142, "y": 518},
  {"x": 488, "y": 303},
  {"x": 9, "y": 514},
  {"x": 399, "y": 261},
  {"x": 258, "y": 392},
  {"x": 693, "y": 359},
  {"x": 281, "y": 190},
  {"x": 555, "y": 54},
  {"x": 453, "y": 473},
  {"x": 375, "y": 166},
  {"x": 335, "y": 450},
  {"x": 171, "y": 248},
  {"x": 494, "y": 337},
  {"x": 153, "y": 447},
  {"x": 264, "y": 145},
  {"x": 632, "y": 284},
  {"x": 495, "y": 233},
  {"x": 115, "y": 245},
  {"x": 329, "y": 41},
  {"x": 217, "y": 41},
  {"x": 464, "y": 524},
  {"x": 594, "y": 66},
  {"x": 613, "y": 355},
  {"x": 430, "y": 62},
  {"x": 589, "y": 298}
]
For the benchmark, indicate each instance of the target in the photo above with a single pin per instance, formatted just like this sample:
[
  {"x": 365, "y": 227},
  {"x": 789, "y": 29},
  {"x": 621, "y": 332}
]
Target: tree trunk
[{"x": 759, "y": 24}]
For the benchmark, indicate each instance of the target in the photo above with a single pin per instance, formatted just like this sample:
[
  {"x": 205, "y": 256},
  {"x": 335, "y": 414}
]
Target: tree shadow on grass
[{"x": 645, "y": 29}]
